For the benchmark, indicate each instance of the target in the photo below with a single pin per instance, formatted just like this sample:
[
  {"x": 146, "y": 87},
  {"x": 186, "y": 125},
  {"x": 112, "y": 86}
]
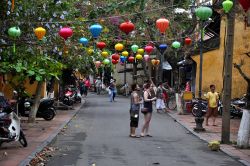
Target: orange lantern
[
  {"x": 155, "y": 62},
  {"x": 40, "y": 32},
  {"x": 162, "y": 25}
]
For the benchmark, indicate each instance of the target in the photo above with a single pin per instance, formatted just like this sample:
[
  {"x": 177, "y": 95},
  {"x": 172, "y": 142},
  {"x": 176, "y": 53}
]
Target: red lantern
[
  {"x": 162, "y": 25},
  {"x": 245, "y": 4},
  {"x": 66, "y": 32},
  {"x": 131, "y": 59},
  {"x": 115, "y": 56},
  {"x": 188, "y": 41},
  {"x": 115, "y": 61},
  {"x": 101, "y": 45},
  {"x": 148, "y": 49},
  {"x": 127, "y": 27}
]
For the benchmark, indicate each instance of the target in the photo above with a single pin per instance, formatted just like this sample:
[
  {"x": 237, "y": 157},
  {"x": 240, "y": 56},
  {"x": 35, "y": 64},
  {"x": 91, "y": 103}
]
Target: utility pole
[{"x": 227, "y": 85}]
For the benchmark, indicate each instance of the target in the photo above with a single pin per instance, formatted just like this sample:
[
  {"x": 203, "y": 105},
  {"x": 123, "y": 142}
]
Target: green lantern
[
  {"x": 134, "y": 48},
  {"x": 203, "y": 13},
  {"x": 14, "y": 32},
  {"x": 227, "y": 5},
  {"x": 106, "y": 61},
  {"x": 176, "y": 44}
]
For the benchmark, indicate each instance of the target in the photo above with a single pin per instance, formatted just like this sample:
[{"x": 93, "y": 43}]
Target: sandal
[
  {"x": 148, "y": 135},
  {"x": 134, "y": 136}
]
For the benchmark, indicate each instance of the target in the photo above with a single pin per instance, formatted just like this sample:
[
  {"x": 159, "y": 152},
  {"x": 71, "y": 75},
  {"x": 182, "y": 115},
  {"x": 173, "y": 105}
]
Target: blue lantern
[
  {"x": 163, "y": 47},
  {"x": 123, "y": 59},
  {"x": 83, "y": 41},
  {"x": 95, "y": 30}
]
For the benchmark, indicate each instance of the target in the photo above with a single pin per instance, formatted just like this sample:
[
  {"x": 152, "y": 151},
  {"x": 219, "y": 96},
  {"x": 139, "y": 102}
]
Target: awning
[{"x": 166, "y": 66}]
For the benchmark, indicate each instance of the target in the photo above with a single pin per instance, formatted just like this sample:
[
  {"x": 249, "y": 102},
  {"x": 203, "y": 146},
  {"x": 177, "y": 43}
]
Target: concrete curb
[
  {"x": 26, "y": 161},
  {"x": 244, "y": 162}
]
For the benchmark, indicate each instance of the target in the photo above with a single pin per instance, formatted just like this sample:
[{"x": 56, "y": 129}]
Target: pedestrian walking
[
  {"x": 213, "y": 99},
  {"x": 147, "y": 109},
  {"x": 98, "y": 85},
  {"x": 115, "y": 90},
  {"x": 87, "y": 86},
  {"x": 160, "y": 104},
  {"x": 134, "y": 110},
  {"x": 111, "y": 90}
]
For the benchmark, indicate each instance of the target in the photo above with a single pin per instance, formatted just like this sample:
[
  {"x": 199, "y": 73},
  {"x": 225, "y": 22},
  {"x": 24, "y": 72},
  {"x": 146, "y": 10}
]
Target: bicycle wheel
[{"x": 171, "y": 104}]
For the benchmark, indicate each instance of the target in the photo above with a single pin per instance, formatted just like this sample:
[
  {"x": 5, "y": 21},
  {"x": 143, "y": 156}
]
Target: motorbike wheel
[
  {"x": 22, "y": 139},
  {"x": 49, "y": 114}
]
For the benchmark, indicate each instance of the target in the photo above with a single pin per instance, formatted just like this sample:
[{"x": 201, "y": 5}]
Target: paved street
[{"x": 98, "y": 135}]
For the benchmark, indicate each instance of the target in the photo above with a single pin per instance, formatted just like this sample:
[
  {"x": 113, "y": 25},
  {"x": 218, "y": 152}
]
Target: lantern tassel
[{"x": 12, "y": 5}]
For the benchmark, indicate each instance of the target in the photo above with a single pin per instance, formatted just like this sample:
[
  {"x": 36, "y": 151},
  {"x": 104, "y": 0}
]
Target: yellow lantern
[
  {"x": 125, "y": 53},
  {"x": 138, "y": 57},
  {"x": 40, "y": 32},
  {"x": 105, "y": 54},
  {"x": 90, "y": 51},
  {"x": 140, "y": 51},
  {"x": 119, "y": 47}
]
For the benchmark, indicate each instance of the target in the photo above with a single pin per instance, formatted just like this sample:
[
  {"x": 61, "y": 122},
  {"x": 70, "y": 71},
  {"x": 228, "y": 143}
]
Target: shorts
[
  {"x": 212, "y": 112},
  {"x": 160, "y": 104},
  {"x": 134, "y": 121}
]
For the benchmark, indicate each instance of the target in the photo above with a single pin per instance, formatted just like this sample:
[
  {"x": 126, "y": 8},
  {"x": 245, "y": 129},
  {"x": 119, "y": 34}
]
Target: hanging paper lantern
[
  {"x": 162, "y": 25},
  {"x": 134, "y": 48},
  {"x": 146, "y": 57},
  {"x": 155, "y": 62},
  {"x": 106, "y": 61},
  {"x": 115, "y": 61},
  {"x": 125, "y": 53},
  {"x": 119, "y": 47},
  {"x": 40, "y": 32},
  {"x": 105, "y": 54},
  {"x": 138, "y": 57},
  {"x": 83, "y": 41},
  {"x": 131, "y": 59},
  {"x": 115, "y": 56},
  {"x": 14, "y": 32},
  {"x": 245, "y": 4},
  {"x": 188, "y": 40},
  {"x": 95, "y": 30},
  {"x": 90, "y": 51},
  {"x": 140, "y": 51},
  {"x": 163, "y": 47},
  {"x": 176, "y": 44},
  {"x": 203, "y": 13},
  {"x": 123, "y": 59},
  {"x": 148, "y": 49},
  {"x": 127, "y": 27},
  {"x": 227, "y": 5},
  {"x": 98, "y": 64},
  {"x": 101, "y": 45},
  {"x": 66, "y": 32}
]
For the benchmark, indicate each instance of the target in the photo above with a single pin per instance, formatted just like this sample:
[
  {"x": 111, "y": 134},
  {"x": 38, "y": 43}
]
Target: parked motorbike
[
  {"x": 10, "y": 128},
  {"x": 46, "y": 109},
  {"x": 71, "y": 96}
]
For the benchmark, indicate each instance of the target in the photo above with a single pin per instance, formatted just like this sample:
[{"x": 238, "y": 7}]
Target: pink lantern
[
  {"x": 146, "y": 57},
  {"x": 66, "y": 32},
  {"x": 98, "y": 64},
  {"x": 148, "y": 49}
]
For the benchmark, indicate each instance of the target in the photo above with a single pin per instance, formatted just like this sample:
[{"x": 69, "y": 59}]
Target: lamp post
[{"x": 203, "y": 13}]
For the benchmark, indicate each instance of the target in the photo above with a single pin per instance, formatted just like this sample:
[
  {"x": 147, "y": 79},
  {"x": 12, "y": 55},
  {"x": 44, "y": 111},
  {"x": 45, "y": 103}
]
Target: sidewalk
[
  {"x": 213, "y": 133},
  {"x": 38, "y": 135}
]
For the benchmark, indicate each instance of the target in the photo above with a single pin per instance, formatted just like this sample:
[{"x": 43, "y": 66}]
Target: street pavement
[{"x": 99, "y": 136}]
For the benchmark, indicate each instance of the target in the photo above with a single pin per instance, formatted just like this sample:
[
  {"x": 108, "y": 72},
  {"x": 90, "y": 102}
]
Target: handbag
[{"x": 144, "y": 110}]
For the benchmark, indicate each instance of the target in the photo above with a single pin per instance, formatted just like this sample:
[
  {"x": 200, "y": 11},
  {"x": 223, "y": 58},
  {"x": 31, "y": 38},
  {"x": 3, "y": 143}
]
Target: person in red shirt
[{"x": 87, "y": 86}]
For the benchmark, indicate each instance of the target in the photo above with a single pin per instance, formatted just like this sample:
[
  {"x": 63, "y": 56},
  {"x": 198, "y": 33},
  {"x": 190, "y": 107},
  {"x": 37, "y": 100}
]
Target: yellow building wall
[{"x": 213, "y": 62}]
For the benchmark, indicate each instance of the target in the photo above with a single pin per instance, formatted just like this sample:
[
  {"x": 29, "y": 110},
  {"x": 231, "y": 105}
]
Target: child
[{"x": 212, "y": 98}]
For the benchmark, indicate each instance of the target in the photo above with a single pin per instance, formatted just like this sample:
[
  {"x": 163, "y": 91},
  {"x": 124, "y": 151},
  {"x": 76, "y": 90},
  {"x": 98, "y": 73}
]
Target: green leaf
[
  {"x": 38, "y": 78},
  {"x": 31, "y": 73}
]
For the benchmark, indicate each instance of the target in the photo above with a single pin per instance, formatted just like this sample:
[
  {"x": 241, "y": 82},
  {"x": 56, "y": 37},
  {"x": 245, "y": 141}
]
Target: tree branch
[{"x": 238, "y": 67}]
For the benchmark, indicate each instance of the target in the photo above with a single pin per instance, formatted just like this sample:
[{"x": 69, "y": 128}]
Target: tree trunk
[
  {"x": 243, "y": 134},
  {"x": 34, "y": 108}
]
